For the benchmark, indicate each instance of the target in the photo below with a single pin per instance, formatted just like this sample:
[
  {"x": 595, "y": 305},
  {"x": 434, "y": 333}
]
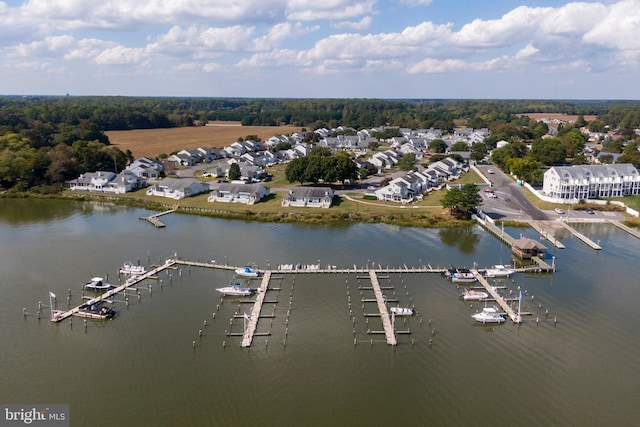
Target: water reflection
[{"x": 464, "y": 239}]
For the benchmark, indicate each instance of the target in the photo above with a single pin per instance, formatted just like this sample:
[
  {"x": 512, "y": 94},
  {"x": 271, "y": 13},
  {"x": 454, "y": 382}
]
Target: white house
[
  {"x": 570, "y": 184},
  {"x": 396, "y": 191},
  {"x": 238, "y": 193},
  {"x": 177, "y": 188},
  {"x": 107, "y": 182},
  {"x": 320, "y": 197},
  {"x": 145, "y": 168}
]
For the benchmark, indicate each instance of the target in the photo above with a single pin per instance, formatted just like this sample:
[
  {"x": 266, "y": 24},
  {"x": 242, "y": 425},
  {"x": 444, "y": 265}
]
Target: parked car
[
  {"x": 559, "y": 211},
  {"x": 490, "y": 171},
  {"x": 590, "y": 211},
  {"x": 488, "y": 190}
]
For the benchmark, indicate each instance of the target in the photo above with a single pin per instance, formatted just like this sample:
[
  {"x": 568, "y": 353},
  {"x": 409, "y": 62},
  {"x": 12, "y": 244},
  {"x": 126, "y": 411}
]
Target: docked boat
[
  {"x": 97, "y": 284},
  {"x": 236, "y": 289},
  {"x": 488, "y": 315},
  {"x": 402, "y": 311},
  {"x": 472, "y": 295},
  {"x": 247, "y": 271},
  {"x": 499, "y": 270},
  {"x": 462, "y": 276},
  {"x": 96, "y": 310},
  {"x": 131, "y": 269}
]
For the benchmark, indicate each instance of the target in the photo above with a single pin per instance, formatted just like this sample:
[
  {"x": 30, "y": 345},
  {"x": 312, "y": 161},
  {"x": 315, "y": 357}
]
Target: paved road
[{"x": 511, "y": 202}]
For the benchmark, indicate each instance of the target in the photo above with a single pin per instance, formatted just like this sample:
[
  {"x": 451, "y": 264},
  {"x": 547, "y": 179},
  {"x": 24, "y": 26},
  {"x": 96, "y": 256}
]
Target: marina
[{"x": 149, "y": 351}]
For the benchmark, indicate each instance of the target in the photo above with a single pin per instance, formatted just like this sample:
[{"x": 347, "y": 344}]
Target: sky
[{"x": 416, "y": 49}]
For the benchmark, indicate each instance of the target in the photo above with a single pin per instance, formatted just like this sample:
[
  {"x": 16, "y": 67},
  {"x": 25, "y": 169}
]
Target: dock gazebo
[{"x": 527, "y": 248}]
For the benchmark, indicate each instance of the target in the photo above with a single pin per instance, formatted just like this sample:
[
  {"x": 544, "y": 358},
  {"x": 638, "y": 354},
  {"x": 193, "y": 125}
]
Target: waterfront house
[
  {"x": 145, "y": 168},
  {"x": 570, "y": 184},
  {"x": 177, "y": 188},
  {"x": 321, "y": 197},
  {"x": 107, "y": 182},
  {"x": 238, "y": 193}
]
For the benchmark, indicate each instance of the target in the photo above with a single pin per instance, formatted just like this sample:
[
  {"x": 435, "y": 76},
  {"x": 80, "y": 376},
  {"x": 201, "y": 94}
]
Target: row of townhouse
[
  {"x": 409, "y": 187},
  {"x": 570, "y": 184}
]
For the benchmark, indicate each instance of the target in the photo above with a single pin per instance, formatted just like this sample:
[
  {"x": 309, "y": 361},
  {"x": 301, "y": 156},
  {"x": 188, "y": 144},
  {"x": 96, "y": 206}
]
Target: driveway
[{"x": 510, "y": 202}]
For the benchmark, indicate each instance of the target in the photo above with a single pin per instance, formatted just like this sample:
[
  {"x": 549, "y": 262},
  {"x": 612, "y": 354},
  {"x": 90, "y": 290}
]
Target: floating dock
[{"x": 153, "y": 219}]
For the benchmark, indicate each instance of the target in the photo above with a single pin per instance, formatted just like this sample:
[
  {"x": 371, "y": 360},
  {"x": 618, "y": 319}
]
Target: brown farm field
[{"x": 153, "y": 142}]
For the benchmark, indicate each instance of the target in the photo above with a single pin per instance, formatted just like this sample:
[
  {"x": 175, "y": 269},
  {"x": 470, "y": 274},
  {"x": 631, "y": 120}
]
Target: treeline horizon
[{"x": 48, "y": 140}]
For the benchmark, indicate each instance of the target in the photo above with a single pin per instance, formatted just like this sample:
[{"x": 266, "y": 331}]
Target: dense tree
[
  {"x": 295, "y": 170},
  {"x": 526, "y": 169},
  {"x": 549, "y": 151},
  {"x": 461, "y": 201},
  {"x": 234, "y": 172},
  {"x": 459, "y": 146},
  {"x": 346, "y": 169},
  {"x": 438, "y": 146},
  {"x": 407, "y": 162}
]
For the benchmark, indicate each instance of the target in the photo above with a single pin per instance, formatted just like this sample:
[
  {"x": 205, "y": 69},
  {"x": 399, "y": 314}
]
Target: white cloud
[
  {"x": 120, "y": 55},
  {"x": 362, "y": 24},
  {"x": 432, "y": 65},
  {"x": 282, "y": 32},
  {"x": 313, "y": 10},
  {"x": 619, "y": 28},
  {"x": 526, "y": 52}
]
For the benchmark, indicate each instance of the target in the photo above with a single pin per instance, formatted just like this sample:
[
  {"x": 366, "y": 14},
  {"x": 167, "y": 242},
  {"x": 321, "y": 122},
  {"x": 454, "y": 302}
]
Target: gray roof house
[
  {"x": 177, "y": 188},
  {"x": 238, "y": 193},
  {"x": 570, "y": 184},
  {"x": 321, "y": 197}
]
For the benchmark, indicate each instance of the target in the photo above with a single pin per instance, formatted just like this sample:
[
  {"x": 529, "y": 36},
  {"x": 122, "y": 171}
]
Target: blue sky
[{"x": 329, "y": 48}]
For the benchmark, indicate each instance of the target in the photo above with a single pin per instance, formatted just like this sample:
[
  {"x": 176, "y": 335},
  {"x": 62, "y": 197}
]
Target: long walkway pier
[
  {"x": 539, "y": 226},
  {"x": 77, "y": 311},
  {"x": 585, "y": 239},
  {"x": 382, "y": 308},
  {"x": 626, "y": 228},
  {"x": 515, "y": 317},
  {"x": 153, "y": 219},
  {"x": 252, "y": 322}
]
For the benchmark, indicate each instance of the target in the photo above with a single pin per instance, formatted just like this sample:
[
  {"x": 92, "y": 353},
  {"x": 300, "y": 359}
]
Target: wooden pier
[
  {"x": 585, "y": 239},
  {"x": 382, "y": 308},
  {"x": 77, "y": 311},
  {"x": 540, "y": 226},
  {"x": 515, "y": 317},
  {"x": 153, "y": 219},
  {"x": 252, "y": 322},
  {"x": 628, "y": 229}
]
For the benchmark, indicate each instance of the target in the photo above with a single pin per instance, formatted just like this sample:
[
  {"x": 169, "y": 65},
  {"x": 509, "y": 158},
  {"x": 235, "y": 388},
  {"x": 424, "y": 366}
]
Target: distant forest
[{"x": 46, "y": 140}]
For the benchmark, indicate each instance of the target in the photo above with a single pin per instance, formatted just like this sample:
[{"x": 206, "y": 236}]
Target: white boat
[
  {"x": 97, "y": 284},
  {"x": 402, "y": 311},
  {"x": 236, "y": 289},
  {"x": 488, "y": 315},
  {"x": 131, "y": 269},
  {"x": 499, "y": 270},
  {"x": 247, "y": 271},
  {"x": 462, "y": 276},
  {"x": 472, "y": 295}
]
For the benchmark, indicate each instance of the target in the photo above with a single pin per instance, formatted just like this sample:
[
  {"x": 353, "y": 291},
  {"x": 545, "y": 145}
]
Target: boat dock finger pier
[
  {"x": 253, "y": 319},
  {"x": 515, "y": 317}
]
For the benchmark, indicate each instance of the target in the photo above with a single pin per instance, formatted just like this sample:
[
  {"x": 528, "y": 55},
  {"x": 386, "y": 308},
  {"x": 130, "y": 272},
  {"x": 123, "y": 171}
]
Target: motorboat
[
  {"x": 402, "y": 311},
  {"x": 463, "y": 276},
  {"x": 472, "y": 295},
  {"x": 499, "y": 270},
  {"x": 97, "y": 284},
  {"x": 247, "y": 271},
  {"x": 96, "y": 310},
  {"x": 236, "y": 289},
  {"x": 131, "y": 269},
  {"x": 488, "y": 315}
]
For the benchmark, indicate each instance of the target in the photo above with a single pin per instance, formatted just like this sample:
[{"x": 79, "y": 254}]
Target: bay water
[{"x": 573, "y": 361}]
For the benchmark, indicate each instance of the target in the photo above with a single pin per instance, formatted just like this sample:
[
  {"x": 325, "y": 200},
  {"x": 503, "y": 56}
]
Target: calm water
[{"x": 141, "y": 369}]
